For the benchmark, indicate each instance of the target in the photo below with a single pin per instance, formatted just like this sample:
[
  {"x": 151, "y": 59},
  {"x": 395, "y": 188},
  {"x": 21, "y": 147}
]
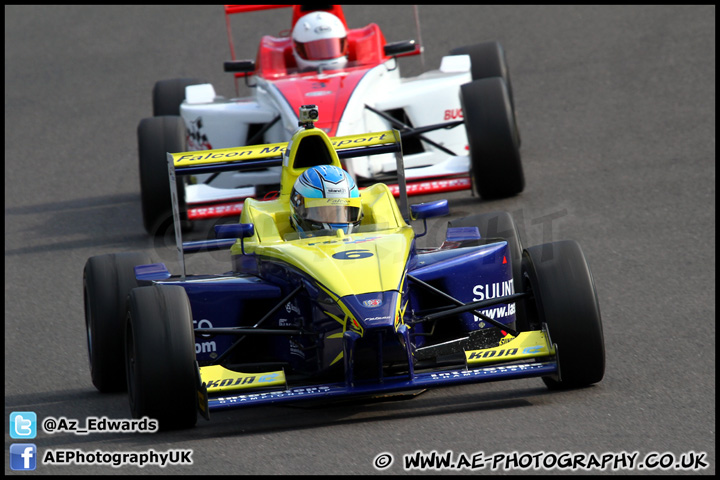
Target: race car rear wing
[{"x": 273, "y": 155}]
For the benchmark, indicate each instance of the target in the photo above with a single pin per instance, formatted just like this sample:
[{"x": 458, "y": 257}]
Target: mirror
[
  {"x": 421, "y": 211},
  {"x": 235, "y": 230},
  {"x": 242, "y": 66},
  {"x": 397, "y": 48}
]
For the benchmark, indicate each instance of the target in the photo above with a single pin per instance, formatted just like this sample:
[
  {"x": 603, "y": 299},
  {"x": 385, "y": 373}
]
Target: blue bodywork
[{"x": 380, "y": 354}]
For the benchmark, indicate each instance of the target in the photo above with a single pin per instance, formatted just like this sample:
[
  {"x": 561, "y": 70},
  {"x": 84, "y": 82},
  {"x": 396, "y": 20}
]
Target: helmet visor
[
  {"x": 333, "y": 210},
  {"x": 324, "y": 49}
]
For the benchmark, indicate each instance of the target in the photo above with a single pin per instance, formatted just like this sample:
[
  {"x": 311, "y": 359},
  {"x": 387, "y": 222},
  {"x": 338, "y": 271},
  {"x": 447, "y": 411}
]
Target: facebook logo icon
[
  {"x": 23, "y": 425},
  {"x": 23, "y": 456}
]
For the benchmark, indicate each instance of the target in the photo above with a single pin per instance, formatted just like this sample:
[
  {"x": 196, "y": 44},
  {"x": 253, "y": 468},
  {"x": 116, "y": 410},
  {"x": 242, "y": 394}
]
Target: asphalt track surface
[{"x": 616, "y": 107}]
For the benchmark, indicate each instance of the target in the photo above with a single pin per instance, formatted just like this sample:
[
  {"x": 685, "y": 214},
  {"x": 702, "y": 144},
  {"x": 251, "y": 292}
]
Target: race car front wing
[{"x": 530, "y": 354}]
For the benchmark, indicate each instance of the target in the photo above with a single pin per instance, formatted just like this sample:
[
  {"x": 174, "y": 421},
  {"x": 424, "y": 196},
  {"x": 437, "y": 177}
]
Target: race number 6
[{"x": 352, "y": 254}]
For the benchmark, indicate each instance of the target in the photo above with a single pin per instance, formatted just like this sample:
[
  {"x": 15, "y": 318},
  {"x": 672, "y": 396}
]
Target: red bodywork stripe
[
  {"x": 434, "y": 186},
  {"x": 215, "y": 211},
  {"x": 330, "y": 93}
]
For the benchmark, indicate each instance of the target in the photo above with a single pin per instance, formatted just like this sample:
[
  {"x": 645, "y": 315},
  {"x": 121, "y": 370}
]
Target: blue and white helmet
[{"x": 325, "y": 197}]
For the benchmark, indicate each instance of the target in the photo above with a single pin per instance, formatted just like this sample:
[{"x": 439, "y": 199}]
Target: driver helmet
[
  {"x": 325, "y": 197},
  {"x": 319, "y": 39}
]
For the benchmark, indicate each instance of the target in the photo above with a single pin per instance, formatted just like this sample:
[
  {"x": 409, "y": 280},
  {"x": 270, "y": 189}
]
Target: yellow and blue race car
[{"x": 329, "y": 296}]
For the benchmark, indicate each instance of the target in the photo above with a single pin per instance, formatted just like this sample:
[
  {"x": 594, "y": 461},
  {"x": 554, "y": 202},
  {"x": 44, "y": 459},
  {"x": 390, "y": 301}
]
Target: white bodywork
[{"x": 428, "y": 99}]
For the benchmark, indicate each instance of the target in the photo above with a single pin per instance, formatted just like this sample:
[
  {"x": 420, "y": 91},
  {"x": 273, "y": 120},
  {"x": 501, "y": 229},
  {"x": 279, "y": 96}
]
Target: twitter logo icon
[{"x": 23, "y": 425}]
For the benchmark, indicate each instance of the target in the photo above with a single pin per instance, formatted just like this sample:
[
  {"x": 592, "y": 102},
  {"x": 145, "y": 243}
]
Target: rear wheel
[
  {"x": 160, "y": 356},
  {"x": 494, "y": 149},
  {"x": 156, "y": 137},
  {"x": 560, "y": 280},
  {"x": 169, "y": 94},
  {"x": 107, "y": 280}
]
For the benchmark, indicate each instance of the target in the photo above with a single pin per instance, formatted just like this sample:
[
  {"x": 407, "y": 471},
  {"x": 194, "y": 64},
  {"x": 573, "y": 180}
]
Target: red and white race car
[{"x": 457, "y": 123}]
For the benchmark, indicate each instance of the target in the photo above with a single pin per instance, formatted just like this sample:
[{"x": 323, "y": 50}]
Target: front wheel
[
  {"x": 562, "y": 285},
  {"x": 160, "y": 356},
  {"x": 492, "y": 137},
  {"x": 487, "y": 60}
]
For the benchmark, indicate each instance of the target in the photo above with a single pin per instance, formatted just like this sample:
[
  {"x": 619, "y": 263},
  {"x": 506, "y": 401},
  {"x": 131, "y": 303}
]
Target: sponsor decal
[
  {"x": 291, "y": 307},
  {"x": 205, "y": 347},
  {"x": 277, "y": 149},
  {"x": 534, "y": 349},
  {"x": 319, "y": 93},
  {"x": 271, "y": 395},
  {"x": 345, "y": 240},
  {"x": 453, "y": 114},
  {"x": 244, "y": 379},
  {"x": 361, "y": 140},
  {"x": 507, "y": 338},
  {"x": 224, "y": 155},
  {"x": 197, "y": 140},
  {"x": 497, "y": 312},
  {"x": 434, "y": 186},
  {"x": 225, "y": 210},
  {"x": 272, "y": 150},
  {"x": 489, "y": 291},
  {"x": 204, "y": 323},
  {"x": 376, "y": 302},
  {"x": 492, "y": 353}
]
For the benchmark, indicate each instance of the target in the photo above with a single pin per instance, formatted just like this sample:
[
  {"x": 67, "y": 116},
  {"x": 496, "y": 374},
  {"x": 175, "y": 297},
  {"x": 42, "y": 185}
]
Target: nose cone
[
  {"x": 350, "y": 266},
  {"x": 374, "y": 310}
]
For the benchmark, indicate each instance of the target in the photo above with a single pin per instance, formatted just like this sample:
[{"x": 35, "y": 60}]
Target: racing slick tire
[
  {"x": 487, "y": 60},
  {"x": 160, "y": 356},
  {"x": 156, "y": 137},
  {"x": 559, "y": 279},
  {"x": 494, "y": 150},
  {"x": 501, "y": 225},
  {"x": 107, "y": 280},
  {"x": 169, "y": 94}
]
